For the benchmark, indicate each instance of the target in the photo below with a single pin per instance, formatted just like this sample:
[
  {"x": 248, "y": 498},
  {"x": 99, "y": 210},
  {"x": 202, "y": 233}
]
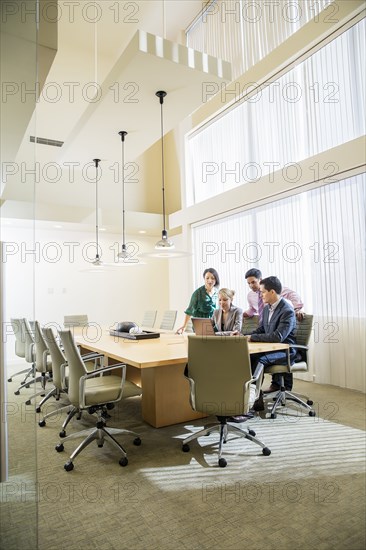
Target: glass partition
[{"x": 18, "y": 73}]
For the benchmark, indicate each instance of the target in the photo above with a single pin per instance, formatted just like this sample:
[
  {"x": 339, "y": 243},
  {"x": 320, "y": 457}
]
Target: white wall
[{"x": 60, "y": 286}]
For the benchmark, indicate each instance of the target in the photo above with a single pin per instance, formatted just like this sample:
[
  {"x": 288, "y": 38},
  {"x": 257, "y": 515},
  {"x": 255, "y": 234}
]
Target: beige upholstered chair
[
  {"x": 95, "y": 392},
  {"x": 71, "y": 321},
  {"x": 149, "y": 318},
  {"x": 303, "y": 333},
  {"x": 168, "y": 320},
  {"x": 221, "y": 384},
  {"x": 16, "y": 325},
  {"x": 43, "y": 362},
  {"x": 30, "y": 354},
  {"x": 60, "y": 387}
]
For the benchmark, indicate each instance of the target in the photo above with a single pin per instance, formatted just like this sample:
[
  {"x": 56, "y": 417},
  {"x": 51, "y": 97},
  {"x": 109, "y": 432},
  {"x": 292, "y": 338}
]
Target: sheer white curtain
[
  {"x": 315, "y": 243},
  {"x": 245, "y": 31},
  {"x": 314, "y": 107}
]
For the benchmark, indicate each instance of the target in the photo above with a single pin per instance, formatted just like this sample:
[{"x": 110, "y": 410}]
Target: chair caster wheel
[
  {"x": 310, "y": 402},
  {"x": 62, "y": 434},
  {"x": 185, "y": 448},
  {"x": 266, "y": 451},
  {"x": 10, "y": 379},
  {"x": 100, "y": 445},
  {"x": 273, "y": 415},
  {"x": 42, "y": 423},
  {"x": 17, "y": 392},
  {"x": 222, "y": 463},
  {"x": 59, "y": 447},
  {"x": 38, "y": 409},
  {"x": 311, "y": 413},
  {"x": 27, "y": 386},
  {"x": 68, "y": 466},
  {"x": 110, "y": 406},
  {"x": 123, "y": 461},
  {"x": 28, "y": 402},
  {"x": 251, "y": 432},
  {"x": 137, "y": 441}
]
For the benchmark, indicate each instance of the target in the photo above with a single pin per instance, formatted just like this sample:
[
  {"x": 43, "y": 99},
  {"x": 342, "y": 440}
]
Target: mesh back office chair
[
  {"x": 301, "y": 364},
  {"x": 16, "y": 325},
  {"x": 149, "y": 318},
  {"x": 168, "y": 320},
  {"x": 221, "y": 383},
  {"x": 96, "y": 393}
]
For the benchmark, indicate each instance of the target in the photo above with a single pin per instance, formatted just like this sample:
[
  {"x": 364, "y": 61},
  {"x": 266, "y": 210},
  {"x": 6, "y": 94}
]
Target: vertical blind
[
  {"x": 315, "y": 242},
  {"x": 316, "y": 106},
  {"x": 245, "y": 31}
]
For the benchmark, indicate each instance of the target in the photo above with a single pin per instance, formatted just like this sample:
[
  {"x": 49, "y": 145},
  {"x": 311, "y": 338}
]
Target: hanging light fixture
[
  {"x": 123, "y": 255},
  {"x": 97, "y": 261},
  {"x": 164, "y": 248},
  {"x": 164, "y": 242}
]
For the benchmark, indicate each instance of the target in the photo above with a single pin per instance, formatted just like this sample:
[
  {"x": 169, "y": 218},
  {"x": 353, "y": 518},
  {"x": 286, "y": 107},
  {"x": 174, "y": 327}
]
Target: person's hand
[
  {"x": 180, "y": 330},
  {"x": 235, "y": 333},
  {"x": 299, "y": 315}
]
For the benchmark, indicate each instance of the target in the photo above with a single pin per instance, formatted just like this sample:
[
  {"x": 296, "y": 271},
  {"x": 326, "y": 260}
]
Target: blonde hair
[{"x": 227, "y": 293}]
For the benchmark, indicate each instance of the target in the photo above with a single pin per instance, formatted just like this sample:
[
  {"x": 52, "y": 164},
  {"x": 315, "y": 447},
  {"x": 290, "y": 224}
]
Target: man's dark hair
[
  {"x": 214, "y": 273},
  {"x": 272, "y": 283},
  {"x": 253, "y": 273}
]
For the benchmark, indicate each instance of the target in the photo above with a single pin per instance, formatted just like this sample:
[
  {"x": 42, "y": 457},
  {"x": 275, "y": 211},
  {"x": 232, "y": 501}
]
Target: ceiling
[{"x": 124, "y": 53}]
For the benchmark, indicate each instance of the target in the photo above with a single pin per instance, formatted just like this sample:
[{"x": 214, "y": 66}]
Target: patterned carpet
[{"x": 310, "y": 493}]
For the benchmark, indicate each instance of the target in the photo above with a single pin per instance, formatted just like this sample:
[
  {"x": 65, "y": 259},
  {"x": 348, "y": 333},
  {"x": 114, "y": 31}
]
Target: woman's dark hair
[{"x": 214, "y": 273}]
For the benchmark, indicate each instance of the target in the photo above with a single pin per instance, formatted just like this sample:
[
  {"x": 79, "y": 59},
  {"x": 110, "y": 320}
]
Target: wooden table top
[{"x": 169, "y": 349}]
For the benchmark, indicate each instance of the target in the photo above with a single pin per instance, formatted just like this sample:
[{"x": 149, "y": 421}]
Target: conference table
[{"x": 157, "y": 366}]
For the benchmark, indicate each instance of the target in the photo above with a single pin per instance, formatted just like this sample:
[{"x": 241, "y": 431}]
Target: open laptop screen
[{"x": 203, "y": 326}]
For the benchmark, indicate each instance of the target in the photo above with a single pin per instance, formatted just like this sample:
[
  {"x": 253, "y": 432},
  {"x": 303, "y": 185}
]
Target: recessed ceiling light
[
  {"x": 142, "y": 231},
  {"x": 57, "y": 226},
  {"x": 102, "y": 229}
]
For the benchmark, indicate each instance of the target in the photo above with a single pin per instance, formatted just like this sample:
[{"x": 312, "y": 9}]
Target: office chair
[
  {"x": 221, "y": 383},
  {"x": 43, "y": 363},
  {"x": 301, "y": 364},
  {"x": 60, "y": 380},
  {"x": 71, "y": 321},
  {"x": 95, "y": 392},
  {"x": 16, "y": 325},
  {"x": 149, "y": 318},
  {"x": 30, "y": 355},
  {"x": 60, "y": 387},
  {"x": 168, "y": 320}
]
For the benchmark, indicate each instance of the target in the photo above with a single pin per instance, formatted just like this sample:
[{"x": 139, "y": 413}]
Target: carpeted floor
[{"x": 310, "y": 493}]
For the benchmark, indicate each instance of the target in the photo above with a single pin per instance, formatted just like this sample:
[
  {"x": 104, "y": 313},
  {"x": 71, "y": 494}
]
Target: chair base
[
  {"x": 280, "y": 400},
  {"x": 224, "y": 429},
  {"x": 99, "y": 434}
]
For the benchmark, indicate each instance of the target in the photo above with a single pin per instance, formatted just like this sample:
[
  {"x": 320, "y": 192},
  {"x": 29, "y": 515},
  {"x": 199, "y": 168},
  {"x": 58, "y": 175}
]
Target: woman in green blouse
[{"x": 204, "y": 300}]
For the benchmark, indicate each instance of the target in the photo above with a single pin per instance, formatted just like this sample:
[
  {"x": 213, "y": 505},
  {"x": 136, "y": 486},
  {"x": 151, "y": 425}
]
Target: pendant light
[
  {"x": 123, "y": 255},
  {"x": 164, "y": 242},
  {"x": 164, "y": 248},
  {"x": 97, "y": 261}
]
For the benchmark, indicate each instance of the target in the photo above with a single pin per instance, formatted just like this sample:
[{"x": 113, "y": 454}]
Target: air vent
[{"x": 45, "y": 141}]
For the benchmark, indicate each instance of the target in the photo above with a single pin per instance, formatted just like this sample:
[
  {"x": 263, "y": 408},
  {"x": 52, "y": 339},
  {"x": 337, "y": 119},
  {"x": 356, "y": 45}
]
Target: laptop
[{"x": 203, "y": 327}]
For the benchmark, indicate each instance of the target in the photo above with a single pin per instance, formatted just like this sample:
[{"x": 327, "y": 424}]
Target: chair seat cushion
[{"x": 102, "y": 389}]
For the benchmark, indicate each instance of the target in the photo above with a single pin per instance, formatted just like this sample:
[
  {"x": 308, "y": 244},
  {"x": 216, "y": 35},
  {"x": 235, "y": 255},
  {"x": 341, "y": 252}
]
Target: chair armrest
[
  {"x": 299, "y": 346},
  {"x": 44, "y": 359},
  {"x": 93, "y": 374},
  {"x": 257, "y": 378}
]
